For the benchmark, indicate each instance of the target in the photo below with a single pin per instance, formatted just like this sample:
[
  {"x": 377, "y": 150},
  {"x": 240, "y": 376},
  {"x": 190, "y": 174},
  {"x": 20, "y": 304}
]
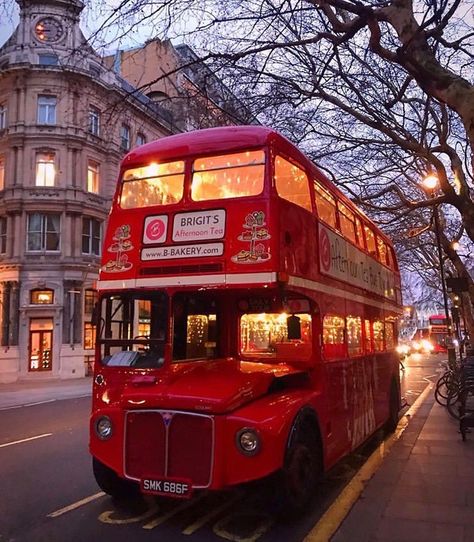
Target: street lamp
[{"x": 431, "y": 182}]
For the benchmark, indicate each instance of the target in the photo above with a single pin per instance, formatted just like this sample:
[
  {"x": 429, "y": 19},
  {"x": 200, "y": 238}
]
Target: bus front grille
[{"x": 169, "y": 444}]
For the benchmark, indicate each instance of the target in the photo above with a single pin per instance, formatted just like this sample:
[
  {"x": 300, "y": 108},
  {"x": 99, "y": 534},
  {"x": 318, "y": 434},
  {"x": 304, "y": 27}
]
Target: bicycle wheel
[{"x": 453, "y": 403}]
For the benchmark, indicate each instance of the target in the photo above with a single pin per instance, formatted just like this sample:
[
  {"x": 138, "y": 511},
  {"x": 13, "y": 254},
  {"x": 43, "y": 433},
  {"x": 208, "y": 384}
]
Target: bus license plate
[{"x": 167, "y": 487}]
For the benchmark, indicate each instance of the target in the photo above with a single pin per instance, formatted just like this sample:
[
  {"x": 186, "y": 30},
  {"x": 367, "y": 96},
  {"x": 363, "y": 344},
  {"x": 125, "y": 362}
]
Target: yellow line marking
[
  {"x": 25, "y": 440},
  {"x": 109, "y": 516},
  {"x": 336, "y": 513},
  {"x": 75, "y": 505},
  {"x": 161, "y": 519},
  {"x": 212, "y": 514}
]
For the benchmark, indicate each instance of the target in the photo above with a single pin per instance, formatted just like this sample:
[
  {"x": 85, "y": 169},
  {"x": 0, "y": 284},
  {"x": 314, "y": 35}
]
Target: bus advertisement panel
[{"x": 247, "y": 321}]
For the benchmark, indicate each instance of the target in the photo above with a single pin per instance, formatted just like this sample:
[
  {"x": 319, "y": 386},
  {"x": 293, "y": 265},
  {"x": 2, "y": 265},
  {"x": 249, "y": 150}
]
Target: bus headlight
[
  {"x": 248, "y": 441},
  {"x": 103, "y": 427}
]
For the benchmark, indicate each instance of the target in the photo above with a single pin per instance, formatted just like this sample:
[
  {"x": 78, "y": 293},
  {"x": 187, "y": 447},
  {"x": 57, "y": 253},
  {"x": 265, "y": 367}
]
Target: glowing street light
[{"x": 431, "y": 182}]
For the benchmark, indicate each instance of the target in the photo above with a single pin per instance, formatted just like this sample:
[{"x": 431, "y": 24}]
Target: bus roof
[{"x": 221, "y": 139}]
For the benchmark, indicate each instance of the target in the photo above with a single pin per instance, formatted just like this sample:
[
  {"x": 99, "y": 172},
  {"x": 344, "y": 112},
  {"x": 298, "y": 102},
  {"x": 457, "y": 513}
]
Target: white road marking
[
  {"x": 75, "y": 505},
  {"x": 28, "y": 404},
  {"x": 25, "y": 440}
]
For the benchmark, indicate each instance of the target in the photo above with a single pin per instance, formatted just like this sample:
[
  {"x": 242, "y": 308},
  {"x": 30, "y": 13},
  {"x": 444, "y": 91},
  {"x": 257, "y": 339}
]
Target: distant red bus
[
  {"x": 248, "y": 318},
  {"x": 438, "y": 332}
]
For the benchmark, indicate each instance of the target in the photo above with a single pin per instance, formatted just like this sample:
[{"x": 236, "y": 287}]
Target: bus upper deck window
[
  {"x": 346, "y": 220},
  {"x": 292, "y": 183},
  {"x": 155, "y": 184},
  {"x": 325, "y": 205},
  {"x": 370, "y": 240},
  {"x": 228, "y": 176},
  {"x": 382, "y": 250}
]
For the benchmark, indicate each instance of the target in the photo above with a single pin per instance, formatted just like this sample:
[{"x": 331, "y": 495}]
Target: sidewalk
[
  {"x": 29, "y": 392},
  {"x": 424, "y": 489}
]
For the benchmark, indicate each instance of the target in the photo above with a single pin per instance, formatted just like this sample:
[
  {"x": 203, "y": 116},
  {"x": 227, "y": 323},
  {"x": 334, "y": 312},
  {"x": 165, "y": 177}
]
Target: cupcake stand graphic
[
  {"x": 119, "y": 247},
  {"x": 254, "y": 234}
]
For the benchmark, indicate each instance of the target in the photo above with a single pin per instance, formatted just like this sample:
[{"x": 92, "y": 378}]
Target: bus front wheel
[
  {"x": 301, "y": 472},
  {"x": 112, "y": 484}
]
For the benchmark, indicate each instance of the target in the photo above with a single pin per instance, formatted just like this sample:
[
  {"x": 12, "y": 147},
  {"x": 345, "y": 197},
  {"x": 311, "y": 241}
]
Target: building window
[
  {"x": 3, "y": 117},
  {"x": 2, "y": 172},
  {"x": 48, "y": 60},
  {"x": 92, "y": 177},
  {"x": 89, "y": 335},
  {"x": 141, "y": 139},
  {"x": 125, "y": 137},
  {"x": 45, "y": 169},
  {"x": 90, "y": 299},
  {"x": 3, "y": 235},
  {"x": 47, "y": 109},
  {"x": 43, "y": 232},
  {"x": 91, "y": 230},
  {"x": 42, "y": 297},
  {"x": 94, "y": 121}
]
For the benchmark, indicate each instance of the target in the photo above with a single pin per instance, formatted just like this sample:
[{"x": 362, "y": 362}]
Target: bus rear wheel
[
  {"x": 394, "y": 409},
  {"x": 112, "y": 484}
]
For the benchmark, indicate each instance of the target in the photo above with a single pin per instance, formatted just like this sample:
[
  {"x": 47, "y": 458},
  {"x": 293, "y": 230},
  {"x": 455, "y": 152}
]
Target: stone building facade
[{"x": 66, "y": 120}]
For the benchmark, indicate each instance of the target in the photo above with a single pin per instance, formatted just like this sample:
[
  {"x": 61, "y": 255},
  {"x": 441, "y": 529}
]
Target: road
[{"x": 48, "y": 492}]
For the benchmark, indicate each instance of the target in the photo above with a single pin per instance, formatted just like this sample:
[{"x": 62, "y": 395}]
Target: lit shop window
[
  {"x": 89, "y": 335},
  {"x": 42, "y": 297},
  {"x": 292, "y": 183},
  {"x": 45, "y": 170},
  {"x": 354, "y": 335},
  {"x": 276, "y": 336},
  {"x": 325, "y": 205},
  {"x": 228, "y": 176},
  {"x": 333, "y": 337},
  {"x": 155, "y": 184},
  {"x": 378, "y": 335}
]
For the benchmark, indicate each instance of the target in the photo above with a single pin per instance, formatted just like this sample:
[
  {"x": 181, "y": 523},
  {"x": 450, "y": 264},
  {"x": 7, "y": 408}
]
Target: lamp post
[{"x": 431, "y": 182}]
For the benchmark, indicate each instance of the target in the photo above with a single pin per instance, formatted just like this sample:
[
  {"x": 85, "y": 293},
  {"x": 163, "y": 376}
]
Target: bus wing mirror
[{"x": 293, "y": 325}]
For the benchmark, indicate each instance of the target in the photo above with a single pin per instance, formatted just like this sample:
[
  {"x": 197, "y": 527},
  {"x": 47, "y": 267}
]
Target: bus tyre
[
  {"x": 301, "y": 472},
  {"x": 112, "y": 484},
  {"x": 394, "y": 409}
]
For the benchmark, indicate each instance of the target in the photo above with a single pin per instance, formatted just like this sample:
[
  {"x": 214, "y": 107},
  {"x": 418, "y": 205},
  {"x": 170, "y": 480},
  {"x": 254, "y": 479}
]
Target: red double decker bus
[{"x": 248, "y": 318}]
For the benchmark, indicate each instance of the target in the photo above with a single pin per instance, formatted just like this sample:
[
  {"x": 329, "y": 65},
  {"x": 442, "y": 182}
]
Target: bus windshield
[{"x": 132, "y": 330}]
